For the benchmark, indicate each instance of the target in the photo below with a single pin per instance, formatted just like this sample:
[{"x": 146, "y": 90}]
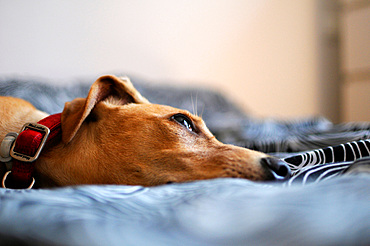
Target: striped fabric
[
  {"x": 314, "y": 148},
  {"x": 325, "y": 163}
]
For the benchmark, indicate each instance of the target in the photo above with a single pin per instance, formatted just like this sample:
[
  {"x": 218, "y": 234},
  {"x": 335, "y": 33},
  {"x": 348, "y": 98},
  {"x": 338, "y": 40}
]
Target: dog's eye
[{"x": 183, "y": 120}]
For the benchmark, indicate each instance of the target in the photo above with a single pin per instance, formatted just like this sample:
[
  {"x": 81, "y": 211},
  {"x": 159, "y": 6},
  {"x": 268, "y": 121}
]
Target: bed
[{"x": 326, "y": 202}]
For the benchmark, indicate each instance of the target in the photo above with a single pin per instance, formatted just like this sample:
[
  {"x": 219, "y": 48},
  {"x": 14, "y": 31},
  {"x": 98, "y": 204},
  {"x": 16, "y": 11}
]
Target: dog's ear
[{"x": 119, "y": 91}]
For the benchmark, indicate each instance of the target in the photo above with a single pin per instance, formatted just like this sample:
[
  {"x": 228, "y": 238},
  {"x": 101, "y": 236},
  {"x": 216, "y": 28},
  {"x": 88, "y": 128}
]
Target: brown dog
[{"x": 115, "y": 136}]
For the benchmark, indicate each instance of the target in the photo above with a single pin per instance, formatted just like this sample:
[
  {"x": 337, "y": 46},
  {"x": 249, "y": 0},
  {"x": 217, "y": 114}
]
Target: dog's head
[{"x": 115, "y": 136}]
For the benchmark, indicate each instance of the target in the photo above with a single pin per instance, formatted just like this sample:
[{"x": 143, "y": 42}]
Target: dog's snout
[{"x": 279, "y": 169}]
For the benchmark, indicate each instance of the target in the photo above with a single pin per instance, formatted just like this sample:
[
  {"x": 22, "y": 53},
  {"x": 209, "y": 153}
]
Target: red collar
[{"x": 26, "y": 149}]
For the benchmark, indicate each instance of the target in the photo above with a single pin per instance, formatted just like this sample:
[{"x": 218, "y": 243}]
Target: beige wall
[
  {"x": 355, "y": 65},
  {"x": 266, "y": 54}
]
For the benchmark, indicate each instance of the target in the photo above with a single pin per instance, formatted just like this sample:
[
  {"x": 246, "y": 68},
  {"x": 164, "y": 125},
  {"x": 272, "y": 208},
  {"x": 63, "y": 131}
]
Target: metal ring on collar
[{"x": 6, "y": 175}]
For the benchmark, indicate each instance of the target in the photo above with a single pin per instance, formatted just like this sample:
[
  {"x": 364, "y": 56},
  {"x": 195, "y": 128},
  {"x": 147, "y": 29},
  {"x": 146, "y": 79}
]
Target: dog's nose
[{"x": 279, "y": 169}]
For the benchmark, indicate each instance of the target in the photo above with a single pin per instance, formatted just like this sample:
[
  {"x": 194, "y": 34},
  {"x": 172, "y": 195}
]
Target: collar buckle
[{"x": 35, "y": 127}]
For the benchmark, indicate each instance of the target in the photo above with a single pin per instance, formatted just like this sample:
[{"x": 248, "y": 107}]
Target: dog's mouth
[
  {"x": 238, "y": 162},
  {"x": 263, "y": 169}
]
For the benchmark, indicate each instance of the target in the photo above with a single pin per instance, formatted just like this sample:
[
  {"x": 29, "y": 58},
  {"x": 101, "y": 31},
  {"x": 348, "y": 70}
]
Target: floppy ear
[{"x": 120, "y": 90}]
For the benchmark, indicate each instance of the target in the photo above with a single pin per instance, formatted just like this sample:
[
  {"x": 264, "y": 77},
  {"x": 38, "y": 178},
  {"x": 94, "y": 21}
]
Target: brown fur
[{"x": 115, "y": 136}]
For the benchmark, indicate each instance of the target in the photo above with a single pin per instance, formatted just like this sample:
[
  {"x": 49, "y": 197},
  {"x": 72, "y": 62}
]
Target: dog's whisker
[
  {"x": 201, "y": 114},
  {"x": 192, "y": 103},
  {"x": 196, "y": 104}
]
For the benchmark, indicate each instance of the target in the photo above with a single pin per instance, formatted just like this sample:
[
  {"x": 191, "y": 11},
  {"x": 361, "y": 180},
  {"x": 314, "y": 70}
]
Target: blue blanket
[{"x": 214, "y": 212}]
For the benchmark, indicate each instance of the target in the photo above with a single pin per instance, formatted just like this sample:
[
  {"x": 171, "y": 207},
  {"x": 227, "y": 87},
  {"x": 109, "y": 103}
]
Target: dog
[{"x": 116, "y": 136}]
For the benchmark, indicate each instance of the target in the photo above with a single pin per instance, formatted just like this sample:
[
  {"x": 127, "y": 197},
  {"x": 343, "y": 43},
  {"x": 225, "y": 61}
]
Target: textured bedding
[{"x": 326, "y": 202}]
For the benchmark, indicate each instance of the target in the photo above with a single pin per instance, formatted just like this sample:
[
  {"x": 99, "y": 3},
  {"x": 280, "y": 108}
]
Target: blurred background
[{"x": 275, "y": 58}]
